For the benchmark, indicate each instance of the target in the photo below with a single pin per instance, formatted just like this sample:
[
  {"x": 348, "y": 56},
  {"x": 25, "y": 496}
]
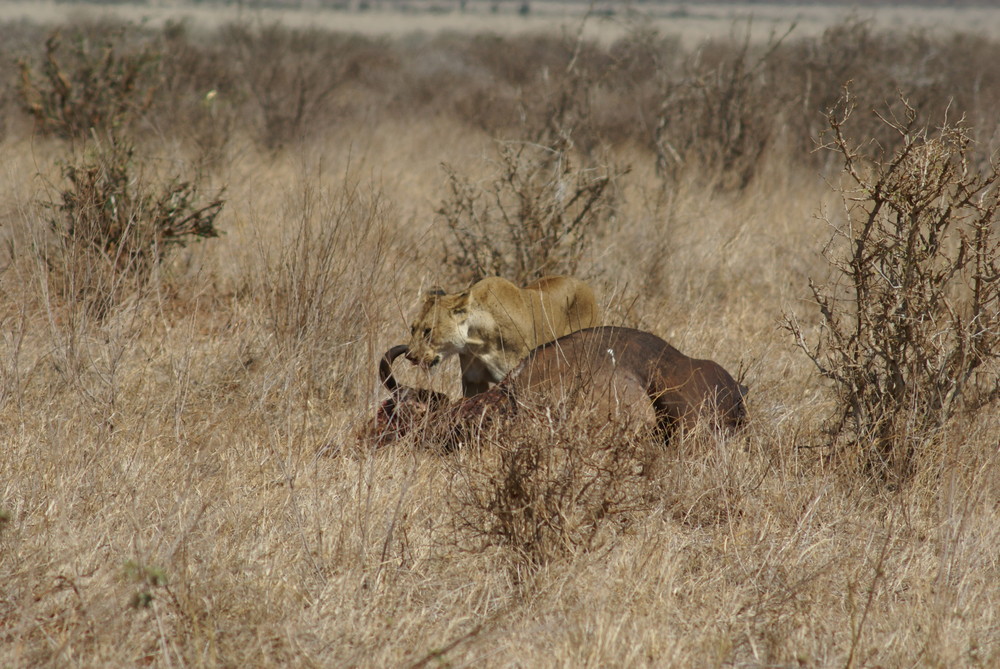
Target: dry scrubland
[
  {"x": 609, "y": 21},
  {"x": 183, "y": 477}
]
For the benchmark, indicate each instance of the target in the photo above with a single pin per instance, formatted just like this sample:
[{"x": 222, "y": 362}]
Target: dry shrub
[
  {"x": 99, "y": 84},
  {"x": 936, "y": 73},
  {"x": 14, "y": 41},
  {"x": 558, "y": 111},
  {"x": 202, "y": 96},
  {"x": 639, "y": 66},
  {"x": 547, "y": 197},
  {"x": 718, "y": 118},
  {"x": 913, "y": 310},
  {"x": 718, "y": 109},
  {"x": 814, "y": 72},
  {"x": 536, "y": 215},
  {"x": 292, "y": 75},
  {"x": 545, "y": 489},
  {"x": 484, "y": 82},
  {"x": 530, "y": 87},
  {"x": 114, "y": 223}
]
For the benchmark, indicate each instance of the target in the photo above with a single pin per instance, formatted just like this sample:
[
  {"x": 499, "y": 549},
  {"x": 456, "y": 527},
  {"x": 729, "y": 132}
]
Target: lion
[{"x": 494, "y": 324}]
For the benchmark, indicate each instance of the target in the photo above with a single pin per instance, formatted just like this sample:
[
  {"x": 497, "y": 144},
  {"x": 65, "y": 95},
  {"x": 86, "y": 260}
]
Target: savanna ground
[{"x": 187, "y": 476}]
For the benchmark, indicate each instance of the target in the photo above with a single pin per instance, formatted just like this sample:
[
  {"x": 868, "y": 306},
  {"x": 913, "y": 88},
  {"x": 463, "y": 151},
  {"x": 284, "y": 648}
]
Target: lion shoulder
[{"x": 494, "y": 324}]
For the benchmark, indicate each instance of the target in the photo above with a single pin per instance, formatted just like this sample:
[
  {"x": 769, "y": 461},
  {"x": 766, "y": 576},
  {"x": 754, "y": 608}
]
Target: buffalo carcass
[
  {"x": 607, "y": 373},
  {"x": 406, "y": 407}
]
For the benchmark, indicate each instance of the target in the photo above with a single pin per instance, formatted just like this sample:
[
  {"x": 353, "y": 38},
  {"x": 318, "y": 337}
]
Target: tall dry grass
[{"x": 183, "y": 477}]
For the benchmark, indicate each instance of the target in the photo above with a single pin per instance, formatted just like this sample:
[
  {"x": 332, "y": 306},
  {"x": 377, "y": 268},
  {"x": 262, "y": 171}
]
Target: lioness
[{"x": 494, "y": 324}]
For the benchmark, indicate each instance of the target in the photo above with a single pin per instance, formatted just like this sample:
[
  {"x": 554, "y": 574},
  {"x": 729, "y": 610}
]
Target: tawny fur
[{"x": 494, "y": 324}]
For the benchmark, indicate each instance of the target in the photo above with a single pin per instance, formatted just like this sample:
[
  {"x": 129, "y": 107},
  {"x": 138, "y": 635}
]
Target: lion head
[{"x": 440, "y": 328}]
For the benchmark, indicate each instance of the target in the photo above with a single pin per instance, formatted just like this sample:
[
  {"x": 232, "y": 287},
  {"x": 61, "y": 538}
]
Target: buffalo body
[{"x": 601, "y": 374}]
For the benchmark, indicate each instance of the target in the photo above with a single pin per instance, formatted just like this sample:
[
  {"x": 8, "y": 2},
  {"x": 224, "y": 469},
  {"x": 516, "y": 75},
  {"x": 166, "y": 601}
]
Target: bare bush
[
  {"x": 292, "y": 75},
  {"x": 913, "y": 310},
  {"x": 539, "y": 210},
  {"x": 110, "y": 215},
  {"x": 719, "y": 109},
  {"x": 548, "y": 491},
  {"x": 719, "y": 118},
  {"x": 535, "y": 216},
  {"x": 937, "y": 75},
  {"x": 92, "y": 86},
  {"x": 559, "y": 110}
]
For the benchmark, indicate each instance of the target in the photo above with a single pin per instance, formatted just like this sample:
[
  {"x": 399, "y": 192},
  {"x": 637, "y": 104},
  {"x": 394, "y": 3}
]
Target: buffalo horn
[{"x": 385, "y": 366}]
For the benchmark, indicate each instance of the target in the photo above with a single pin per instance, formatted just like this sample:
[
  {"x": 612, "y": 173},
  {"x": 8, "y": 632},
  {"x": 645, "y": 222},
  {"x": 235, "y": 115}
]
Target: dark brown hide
[
  {"x": 623, "y": 370},
  {"x": 580, "y": 378},
  {"x": 602, "y": 374}
]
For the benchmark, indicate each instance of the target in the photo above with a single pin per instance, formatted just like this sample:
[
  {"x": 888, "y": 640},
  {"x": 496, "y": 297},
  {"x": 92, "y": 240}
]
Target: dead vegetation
[
  {"x": 184, "y": 478},
  {"x": 913, "y": 311}
]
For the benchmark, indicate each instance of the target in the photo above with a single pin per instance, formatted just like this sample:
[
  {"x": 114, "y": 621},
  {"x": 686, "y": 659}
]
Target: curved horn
[{"x": 385, "y": 366}]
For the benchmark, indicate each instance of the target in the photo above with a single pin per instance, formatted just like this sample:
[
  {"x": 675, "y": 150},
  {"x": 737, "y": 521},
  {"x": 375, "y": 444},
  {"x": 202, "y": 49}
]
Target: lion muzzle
[{"x": 423, "y": 361}]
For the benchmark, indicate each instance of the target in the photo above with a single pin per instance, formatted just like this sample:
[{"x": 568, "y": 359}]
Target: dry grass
[{"x": 184, "y": 484}]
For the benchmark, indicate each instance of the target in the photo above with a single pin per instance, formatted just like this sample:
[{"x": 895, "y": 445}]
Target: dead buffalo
[
  {"x": 406, "y": 406},
  {"x": 607, "y": 373}
]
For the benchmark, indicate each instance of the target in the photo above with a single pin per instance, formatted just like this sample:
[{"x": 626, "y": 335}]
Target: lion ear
[
  {"x": 435, "y": 292},
  {"x": 460, "y": 303}
]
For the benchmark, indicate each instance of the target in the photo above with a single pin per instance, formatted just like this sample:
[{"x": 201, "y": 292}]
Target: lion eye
[{"x": 427, "y": 332}]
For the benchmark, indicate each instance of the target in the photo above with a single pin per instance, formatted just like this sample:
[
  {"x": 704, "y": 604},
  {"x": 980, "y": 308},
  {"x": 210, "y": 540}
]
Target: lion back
[
  {"x": 523, "y": 318},
  {"x": 563, "y": 304}
]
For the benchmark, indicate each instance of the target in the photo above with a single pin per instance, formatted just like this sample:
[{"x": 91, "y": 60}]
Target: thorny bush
[
  {"x": 912, "y": 314},
  {"x": 544, "y": 487},
  {"x": 719, "y": 118},
  {"x": 549, "y": 194},
  {"x": 294, "y": 75}
]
